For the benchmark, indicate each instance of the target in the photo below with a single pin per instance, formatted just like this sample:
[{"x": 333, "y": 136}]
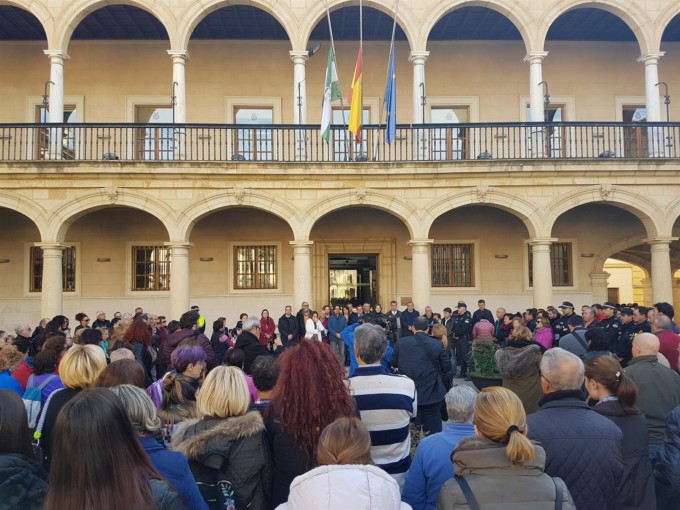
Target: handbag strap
[
  {"x": 467, "y": 493},
  {"x": 41, "y": 423},
  {"x": 428, "y": 351},
  {"x": 559, "y": 494},
  {"x": 46, "y": 382}
]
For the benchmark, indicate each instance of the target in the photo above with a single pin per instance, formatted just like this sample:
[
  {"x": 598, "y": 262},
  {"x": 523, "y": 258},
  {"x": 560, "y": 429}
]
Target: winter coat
[
  {"x": 544, "y": 336},
  {"x": 519, "y": 366},
  {"x": 667, "y": 467},
  {"x": 314, "y": 331},
  {"x": 235, "y": 446},
  {"x": 174, "y": 340},
  {"x": 252, "y": 348},
  {"x": 7, "y": 382},
  {"x": 637, "y": 485},
  {"x": 342, "y": 487},
  {"x": 23, "y": 483},
  {"x": 493, "y": 479},
  {"x": 143, "y": 357},
  {"x": 668, "y": 346},
  {"x": 165, "y": 496},
  {"x": 582, "y": 448},
  {"x": 658, "y": 393},
  {"x": 335, "y": 325},
  {"x": 219, "y": 346},
  {"x": 407, "y": 319},
  {"x": 58, "y": 400},
  {"x": 288, "y": 326},
  {"x": 483, "y": 329},
  {"x": 267, "y": 330},
  {"x": 478, "y": 315},
  {"x": 23, "y": 372}
]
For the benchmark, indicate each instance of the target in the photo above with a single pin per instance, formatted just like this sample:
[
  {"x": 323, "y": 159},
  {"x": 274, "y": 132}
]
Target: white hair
[
  {"x": 562, "y": 369},
  {"x": 460, "y": 404}
]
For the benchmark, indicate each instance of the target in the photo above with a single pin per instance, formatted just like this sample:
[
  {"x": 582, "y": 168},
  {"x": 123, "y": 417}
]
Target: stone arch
[
  {"x": 662, "y": 22},
  {"x": 517, "y": 206},
  {"x": 648, "y": 213},
  {"x": 263, "y": 201},
  {"x": 392, "y": 204},
  {"x": 672, "y": 216},
  {"x": 517, "y": 14},
  {"x": 406, "y": 19},
  {"x": 28, "y": 208},
  {"x": 36, "y": 9},
  {"x": 64, "y": 216},
  {"x": 78, "y": 10},
  {"x": 617, "y": 246},
  {"x": 199, "y": 10},
  {"x": 635, "y": 17}
]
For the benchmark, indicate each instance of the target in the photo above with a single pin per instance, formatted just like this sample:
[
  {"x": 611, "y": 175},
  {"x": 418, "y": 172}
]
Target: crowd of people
[{"x": 343, "y": 408}]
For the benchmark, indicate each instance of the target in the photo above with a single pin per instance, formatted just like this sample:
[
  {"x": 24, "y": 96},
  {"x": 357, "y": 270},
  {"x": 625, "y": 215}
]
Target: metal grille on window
[
  {"x": 151, "y": 268},
  {"x": 560, "y": 265},
  {"x": 255, "y": 267},
  {"x": 453, "y": 265},
  {"x": 68, "y": 269}
]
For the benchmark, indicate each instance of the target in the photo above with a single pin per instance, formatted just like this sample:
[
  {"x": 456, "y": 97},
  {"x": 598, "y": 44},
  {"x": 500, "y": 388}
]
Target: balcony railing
[{"x": 291, "y": 143}]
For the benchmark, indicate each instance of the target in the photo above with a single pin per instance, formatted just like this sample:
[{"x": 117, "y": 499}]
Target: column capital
[
  {"x": 418, "y": 57},
  {"x": 535, "y": 57},
  {"x": 299, "y": 57},
  {"x": 657, "y": 241},
  {"x": 179, "y": 56},
  {"x": 174, "y": 245},
  {"x": 542, "y": 241},
  {"x": 51, "y": 246},
  {"x": 604, "y": 275},
  {"x": 414, "y": 243},
  {"x": 650, "y": 58},
  {"x": 57, "y": 56},
  {"x": 305, "y": 244}
]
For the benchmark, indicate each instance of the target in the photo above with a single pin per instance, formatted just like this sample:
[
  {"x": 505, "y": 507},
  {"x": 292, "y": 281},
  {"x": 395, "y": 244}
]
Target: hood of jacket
[
  {"x": 516, "y": 362},
  {"x": 245, "y": 338},
  {"x": 481, "y": 456},
  {"x": 22, "y": 482},
  {"x": 175, "y": 338},
  {"x": 196, "y": 438},
  {"x": 344, "y": 486}
]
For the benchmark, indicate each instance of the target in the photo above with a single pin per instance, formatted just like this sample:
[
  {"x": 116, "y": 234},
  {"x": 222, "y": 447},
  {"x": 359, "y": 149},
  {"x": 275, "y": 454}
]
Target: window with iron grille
[
  {"x": 68, "y": 269},
  {"x": 453, "y": 265},
  {"x": 150, "y": 268},
  {"x": 255, "y": 267},
  {"x": 561, "y": 265}
]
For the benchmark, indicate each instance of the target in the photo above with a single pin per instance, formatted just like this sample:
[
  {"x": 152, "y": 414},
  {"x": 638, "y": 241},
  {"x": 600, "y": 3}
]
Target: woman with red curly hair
[
  {"x": 139, "y": 335},
  {"x": 309, "y": 395}
]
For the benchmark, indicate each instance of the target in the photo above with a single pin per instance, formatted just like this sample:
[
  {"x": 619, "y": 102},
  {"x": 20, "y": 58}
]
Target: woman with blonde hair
[
  {"x": 346, "y": 476},
  {"x": 440, "y": 333},
  {"x": 501, "y": 465},
  {"x": 225, "y": 430}
]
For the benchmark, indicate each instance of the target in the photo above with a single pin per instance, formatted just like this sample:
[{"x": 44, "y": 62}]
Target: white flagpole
[{"x": 335, "y": 63}]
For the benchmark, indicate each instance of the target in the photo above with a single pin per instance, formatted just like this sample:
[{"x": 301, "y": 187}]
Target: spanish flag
[{"x": 356, "y": 101}]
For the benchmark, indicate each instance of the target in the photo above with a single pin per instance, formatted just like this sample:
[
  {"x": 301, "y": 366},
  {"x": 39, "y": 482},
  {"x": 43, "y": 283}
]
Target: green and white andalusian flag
[{"x": 331, "y": 93}]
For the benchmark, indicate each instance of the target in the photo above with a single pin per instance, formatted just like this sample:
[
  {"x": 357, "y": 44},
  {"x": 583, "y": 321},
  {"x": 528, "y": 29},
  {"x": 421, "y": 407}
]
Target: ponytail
[
  {"x": 627, "y": 392},
  {"x": 520, "y": 448},
  {"x": 608, "y": 372}
]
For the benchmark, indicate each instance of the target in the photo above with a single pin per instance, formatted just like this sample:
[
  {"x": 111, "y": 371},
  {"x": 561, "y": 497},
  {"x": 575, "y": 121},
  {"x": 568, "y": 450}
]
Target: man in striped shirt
[{"x": 386, "y": 402}]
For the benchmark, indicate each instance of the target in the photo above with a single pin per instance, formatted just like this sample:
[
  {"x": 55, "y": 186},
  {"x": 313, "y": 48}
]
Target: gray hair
[
  {"x": 562, "y": 369},
  {"x": 250, "y": 323},
  {"x": 371, "y": 342},
  {"x": 662, "y": 322},
  {"x": 591, "y": 310},
  {"x": 139, "y": 406},
  {"x": 460, "y": 404},
  {"x": 20, "y": 327}
]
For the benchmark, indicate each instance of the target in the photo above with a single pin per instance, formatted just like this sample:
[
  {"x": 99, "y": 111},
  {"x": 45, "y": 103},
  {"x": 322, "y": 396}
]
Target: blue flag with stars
[{"x": 391, "y": 102}]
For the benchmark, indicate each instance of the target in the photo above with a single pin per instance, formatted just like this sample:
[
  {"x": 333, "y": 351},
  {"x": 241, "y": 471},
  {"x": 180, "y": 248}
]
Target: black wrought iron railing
[{"x": 292, "y": 143}]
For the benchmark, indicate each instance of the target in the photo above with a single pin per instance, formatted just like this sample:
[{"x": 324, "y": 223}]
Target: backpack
[
  {"x": 216, "y": 488},
  {"x": 33, "y": 400}
]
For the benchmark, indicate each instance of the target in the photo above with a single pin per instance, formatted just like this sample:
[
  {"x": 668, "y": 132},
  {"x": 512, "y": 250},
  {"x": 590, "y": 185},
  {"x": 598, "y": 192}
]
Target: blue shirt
[
  {"x": 336, "y": 325},
  {"x": 348, "y": 337},
  {"x": 7, "y": 382},
  {"x": 432, "y": 466}
]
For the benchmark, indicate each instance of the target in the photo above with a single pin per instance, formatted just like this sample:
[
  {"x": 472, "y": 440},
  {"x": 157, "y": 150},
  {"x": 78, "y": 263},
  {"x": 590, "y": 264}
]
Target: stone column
[
  {"x": 300, "y": 59},
  {"x": 655, "y": 138},
  {"x": 418, "y": 59},
  {"x": 56, "y": 104},
  {"x": 646, "y": 284},
  {"x": 662, "y": 279},
  {"x": 598, "y": 285},
  {"x": 179, "y": 60},
  {"x": 179, "y": 278},
  {"x": 537, "y": 101},
  {"x": 52, "y": 278},
  {"x": 421, "y": 272},
  {"x": 302, "y": 272},
  {"x": 542, "y": 272}
]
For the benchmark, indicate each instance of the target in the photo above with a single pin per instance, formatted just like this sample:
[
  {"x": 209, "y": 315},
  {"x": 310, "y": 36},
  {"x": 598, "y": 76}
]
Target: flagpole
[
  {"x": 361, "y": 50},
  {"x": 335, "y": 60},
  {"x": 389, "y": 57}
]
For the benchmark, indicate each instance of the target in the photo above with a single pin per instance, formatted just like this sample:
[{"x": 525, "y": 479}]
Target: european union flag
[{"x": 391, "y": 102}]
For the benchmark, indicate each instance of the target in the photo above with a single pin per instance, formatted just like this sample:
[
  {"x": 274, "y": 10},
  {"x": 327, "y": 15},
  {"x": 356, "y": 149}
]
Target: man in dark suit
[{"x": 424, "y": 360}]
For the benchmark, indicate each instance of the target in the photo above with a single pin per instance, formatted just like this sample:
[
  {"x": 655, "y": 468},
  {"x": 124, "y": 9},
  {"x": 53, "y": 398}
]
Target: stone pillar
[
  {"x": 662, "y": 279},
  {"x": 300, "y": 59},
  {"x": 52, "y": 278},
  {"x": 302, "y": 272},
  {"x": 179, "y": 60},
  {"x": 537, "y": 102},
  {"x": 421, "y": 272},
  {"x": 56, "y": 104},
  {"x": 542, "y": 272},
  {"x": 646, "y": 284},
  {"x": 420, "y": 143},
  {"x": 598, "y": 285},
  {"x": 179, "y": 278},
  {"x": 655, "y": 138}
]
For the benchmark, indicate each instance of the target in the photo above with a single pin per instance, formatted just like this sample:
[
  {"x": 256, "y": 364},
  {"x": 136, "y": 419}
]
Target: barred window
[
  {"x": 150, "y": 268},
  {"x": 561, "y": 265},
  {"x": 453, "y": 265},
  {"x": 255, "y": 267},
  {"x": 68, "y": 269}
]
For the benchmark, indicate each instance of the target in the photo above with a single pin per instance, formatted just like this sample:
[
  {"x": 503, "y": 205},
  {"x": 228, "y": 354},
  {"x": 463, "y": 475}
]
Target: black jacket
[
  {"x": 22, "y": 483},
  {"x": 462, "y": 327},
  {"x": 144, "y": 358},
  {"x": 424, "y": 360},
  {"x": 236, "y": 447},
  {"x": 219, "y": 348},
  {"x": 667, "y": 467},
  {"x": 251, "y": 346},
  {"x": 582, "y": 448},
  {"x": 624, "y": 343},
  {"x": 611, "y": 327},
  {"x": 288, "y": 326},
  {"x": 637, "y": 485},
  {"x": 479, "y": 315},
  {"x": 165, "y": 496}
]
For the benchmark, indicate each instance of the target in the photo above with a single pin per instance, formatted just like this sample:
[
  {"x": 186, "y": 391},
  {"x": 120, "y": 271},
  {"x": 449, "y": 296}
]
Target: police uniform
[
  {"x": 560, "y": 327},
  {"x": 462, "y": 334},
  {"x": 624, "y": 345},
  {"x": 611, "y": 327}
]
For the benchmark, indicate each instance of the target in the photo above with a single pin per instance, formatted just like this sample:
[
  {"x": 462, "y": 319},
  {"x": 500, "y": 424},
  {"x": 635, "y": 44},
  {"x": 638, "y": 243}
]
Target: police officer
[
  {"x": 611, "y": 325},
  {"x": 561, "y": 326},
  {"x": 462, "y": 336},
  {"x": 627, "y": 332}
]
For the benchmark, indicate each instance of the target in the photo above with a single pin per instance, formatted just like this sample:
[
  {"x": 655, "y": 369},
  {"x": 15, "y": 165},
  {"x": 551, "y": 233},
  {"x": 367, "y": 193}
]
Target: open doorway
[{"x": 353, "y": 279}]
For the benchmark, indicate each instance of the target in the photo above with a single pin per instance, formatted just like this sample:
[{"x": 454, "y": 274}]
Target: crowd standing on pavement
[{"x": 344, "y": 407}]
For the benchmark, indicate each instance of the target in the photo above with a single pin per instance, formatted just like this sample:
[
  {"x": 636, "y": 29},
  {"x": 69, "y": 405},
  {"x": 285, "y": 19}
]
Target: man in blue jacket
[
  {"x": 336, "y": 323},
  {"x": 407, "y": 318},
  {"x": 582, "y": 447}
]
